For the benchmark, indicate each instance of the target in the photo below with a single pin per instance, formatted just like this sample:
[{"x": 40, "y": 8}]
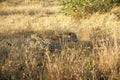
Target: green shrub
[{"x": 80, "y": 8}]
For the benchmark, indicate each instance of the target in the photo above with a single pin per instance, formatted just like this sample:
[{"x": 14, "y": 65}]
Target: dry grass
[{"x": 95, "y": 57}]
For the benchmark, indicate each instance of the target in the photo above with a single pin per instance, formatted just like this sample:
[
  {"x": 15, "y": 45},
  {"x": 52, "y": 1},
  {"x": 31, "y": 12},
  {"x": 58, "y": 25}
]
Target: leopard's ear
[
  {"x": 73, "y": 36},
  {"x": 71, "y": 33}
]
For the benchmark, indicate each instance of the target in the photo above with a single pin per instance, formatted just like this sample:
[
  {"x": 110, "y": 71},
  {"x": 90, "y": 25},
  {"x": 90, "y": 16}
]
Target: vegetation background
[{"x": 31, "y": 29}]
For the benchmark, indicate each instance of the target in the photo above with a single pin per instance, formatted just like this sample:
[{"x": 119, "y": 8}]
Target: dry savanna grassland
[{"x": 38, "y": 42}]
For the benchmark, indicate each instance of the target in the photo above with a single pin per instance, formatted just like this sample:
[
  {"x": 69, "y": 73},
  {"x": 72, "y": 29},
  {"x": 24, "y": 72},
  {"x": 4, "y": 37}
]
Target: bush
[{"x": 80, "y": 8}]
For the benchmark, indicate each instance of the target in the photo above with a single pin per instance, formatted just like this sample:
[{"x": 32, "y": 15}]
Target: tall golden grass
[{"x": 28, "y": 63}]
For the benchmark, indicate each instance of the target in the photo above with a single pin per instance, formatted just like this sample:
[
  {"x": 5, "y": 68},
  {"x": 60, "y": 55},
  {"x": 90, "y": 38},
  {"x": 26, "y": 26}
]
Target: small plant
[{"x": 82, "y": 8}]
